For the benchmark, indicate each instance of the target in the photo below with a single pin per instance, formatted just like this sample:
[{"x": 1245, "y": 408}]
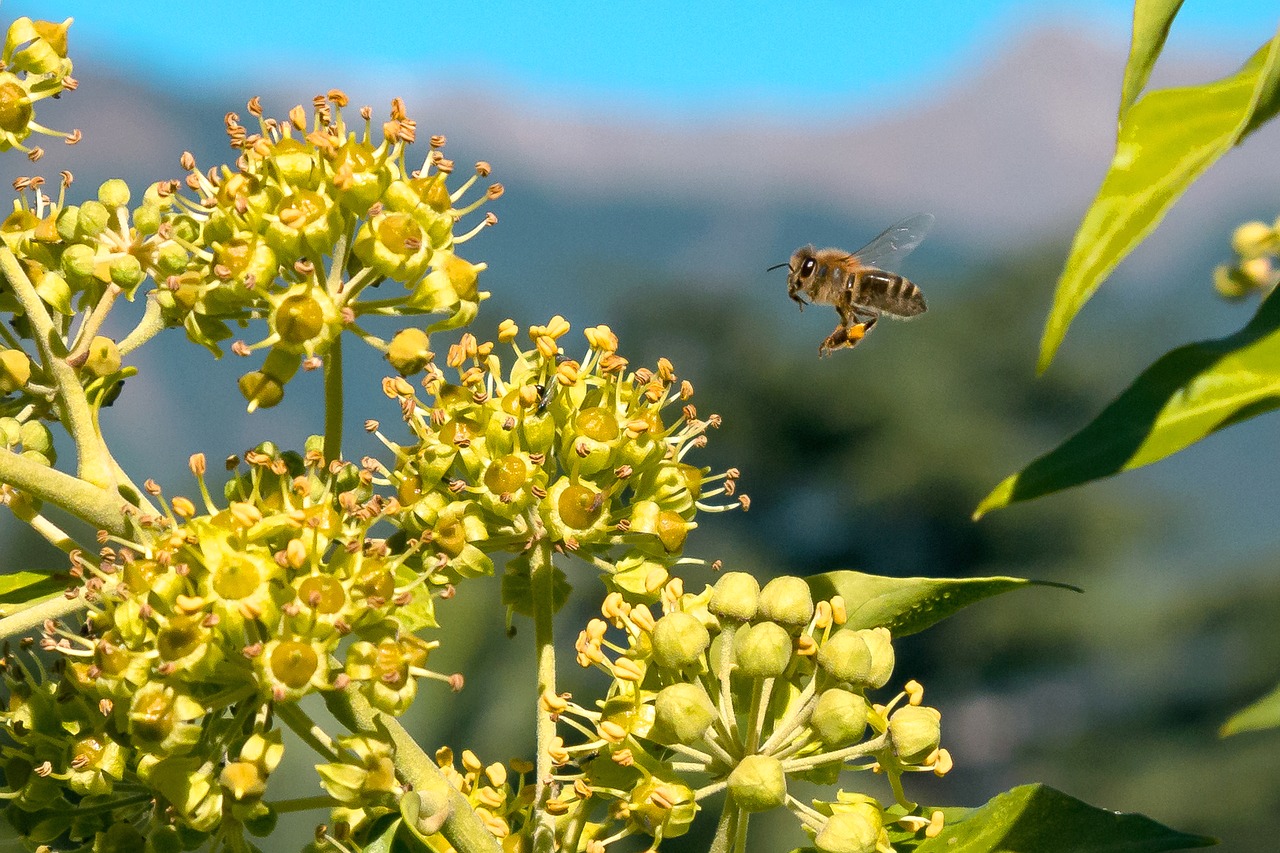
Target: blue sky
[{"x": 615, "y": 54}]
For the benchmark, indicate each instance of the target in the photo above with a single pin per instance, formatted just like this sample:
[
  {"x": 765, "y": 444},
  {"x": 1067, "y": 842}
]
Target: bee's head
[{"x": 800, "y": 269}]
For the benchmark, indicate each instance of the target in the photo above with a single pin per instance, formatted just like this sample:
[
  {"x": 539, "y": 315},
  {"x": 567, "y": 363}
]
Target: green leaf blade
[
  {"x": 1184, "y": 396},
  {"x": 1039, "y": 818},
  {"x": 1262, "y": 714},
  {"x": 909, "y": 605},
  {"x": 1166, "y": 141},
  {"x": 1151, "y": 22},
  {"x": 22, "y": 588}
]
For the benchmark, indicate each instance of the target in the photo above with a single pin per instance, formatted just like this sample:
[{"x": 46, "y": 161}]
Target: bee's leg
[{"x": 850, "y": 330}]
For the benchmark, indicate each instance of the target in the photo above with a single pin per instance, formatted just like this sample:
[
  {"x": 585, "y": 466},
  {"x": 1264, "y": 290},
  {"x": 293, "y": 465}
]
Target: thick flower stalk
[{"x": 742, "y": 689}]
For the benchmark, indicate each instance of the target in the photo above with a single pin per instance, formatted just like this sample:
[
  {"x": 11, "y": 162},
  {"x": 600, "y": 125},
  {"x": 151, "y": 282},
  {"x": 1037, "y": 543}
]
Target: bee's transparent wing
[{"x": 895, "y": 243}]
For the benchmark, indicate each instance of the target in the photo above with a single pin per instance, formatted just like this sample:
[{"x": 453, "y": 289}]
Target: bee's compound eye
[{"x": 806, "y": 268}]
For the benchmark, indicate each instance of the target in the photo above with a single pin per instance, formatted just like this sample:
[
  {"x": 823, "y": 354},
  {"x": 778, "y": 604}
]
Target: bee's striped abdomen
[{"x": 891, "y": 293}]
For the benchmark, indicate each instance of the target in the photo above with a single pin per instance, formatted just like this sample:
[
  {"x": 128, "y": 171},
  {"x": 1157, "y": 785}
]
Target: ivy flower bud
[
  {"x": 856, "y": 830},
  {"x": 114, "y": 193},
  {"x": 679, "y": 640},
  {"x": 763, "y": 650},
  {"x": 92, "y": 219},
  {"x": 682, "y": 714},
  {"x": 915, "y": 731},
  {"x": 840, "y": 718},
  {"x": 736, "y": 597},
  {"x": 846, "y": 657},
  {"x": 786, "y": 600},
  {"x": 758, "y": 784},
  {"x": 36, "y": 437},
  {"x": 879, "y": 644},
  {"x": 15, "y": 370}
]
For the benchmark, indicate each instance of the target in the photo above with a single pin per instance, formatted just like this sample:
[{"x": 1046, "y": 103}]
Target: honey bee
[{"x": 859, "y": 284}]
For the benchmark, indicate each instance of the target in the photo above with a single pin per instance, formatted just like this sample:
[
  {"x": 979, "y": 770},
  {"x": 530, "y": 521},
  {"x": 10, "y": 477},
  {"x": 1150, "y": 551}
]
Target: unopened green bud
[
  {"x": 146, "y": 218},
  {"x": 10, "y": 430},
  {"x": 15, "y": 370},
  {"x": 682, "y": 714},
  {"x": 104, "y": 357},
  {"x": 854, "y": 831},
  {"x": 34, "y": 435},
  {"x": 409, "y": 351},
  {"x": 840, "y": 718},
  {"x": 736, "y": 597},
  {"x": 846, "y": 657},
  {"x": 763, "y": 650},
  {"x": 915, "y": 731},
  {"x": 78, "y": 261},
  {"x": 786, "y": 600},
  {"x": 679, "y": 640},
  {"x": 93, "y": 218},
  {"x": 171, "y": 259},
  {"x": 880, "y": 644},
  {"x": 758, "y": 784},
  {"x": 127, "y": 272},
  {"x": 114, "y": 193}
]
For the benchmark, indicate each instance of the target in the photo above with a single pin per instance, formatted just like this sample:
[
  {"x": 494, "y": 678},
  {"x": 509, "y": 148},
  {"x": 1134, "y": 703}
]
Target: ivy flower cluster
[
  {"x": 194, "y": 643},
  {"x": 744, "y": 689},
  {"x": 312, "y": 217},
  {"x": 35, "y": 66},
  {"x": 588, "y": 456}
]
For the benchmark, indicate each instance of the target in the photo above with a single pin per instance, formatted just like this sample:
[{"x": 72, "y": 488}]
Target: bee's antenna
[{"x": 778, "y": 266}]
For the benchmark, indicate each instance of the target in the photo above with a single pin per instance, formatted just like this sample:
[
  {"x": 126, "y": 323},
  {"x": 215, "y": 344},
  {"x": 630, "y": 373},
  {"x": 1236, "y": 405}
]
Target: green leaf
[
  {"x": 1167, "y": 139},
  {"x": 908, "y": 605},
  {"x": 1151, "y": 21},
  {"x": 1263, "y": 714},
  {"x": 1039, "y": 818},
  {"x": 1184, "y": 396},
  {"x": 25, "y": 587}
]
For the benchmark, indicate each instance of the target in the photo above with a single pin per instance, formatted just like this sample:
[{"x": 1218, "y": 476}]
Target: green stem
[
  {"x": 333, "y": 401},
  {"x": 33, "y": 617},
  {"x": 462, "y": 828},
  {"x": 73, "y": 406},
  {"x": 726, "y": 829},
  {"x": 303, "y": 804},
  {"x": 87, "y": 502},
  {"x": 542, "y": 579},
  {"x": 151, "y": 324},
  {"x": 92, "y": 323},
  {"x": 310, "y": 734}
]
